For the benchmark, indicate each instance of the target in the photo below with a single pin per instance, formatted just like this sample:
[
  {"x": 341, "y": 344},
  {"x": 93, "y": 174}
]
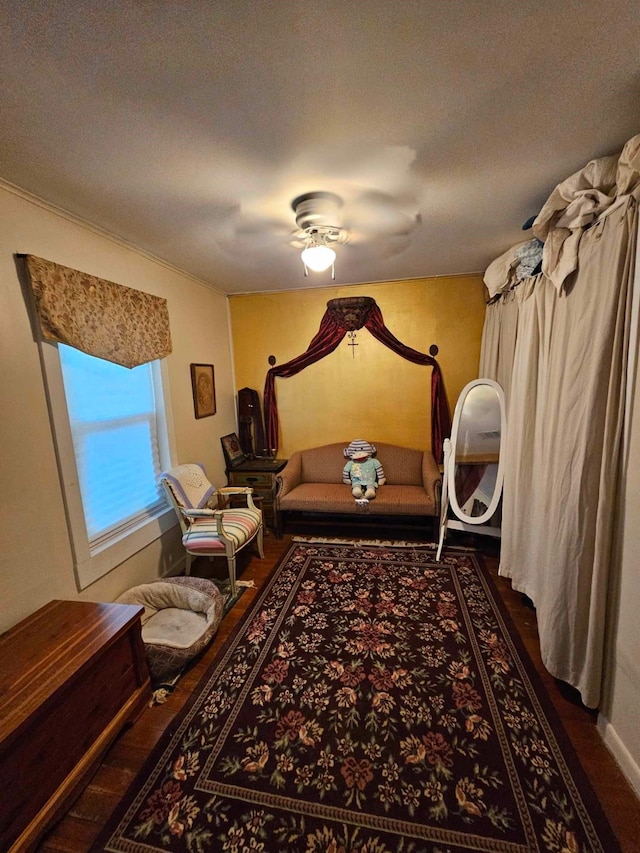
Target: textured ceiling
[{"x": 186, "y": 128}]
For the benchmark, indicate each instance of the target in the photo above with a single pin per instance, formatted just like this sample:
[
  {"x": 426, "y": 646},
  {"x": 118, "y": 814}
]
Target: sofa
[{"x": 310, "y": 487}]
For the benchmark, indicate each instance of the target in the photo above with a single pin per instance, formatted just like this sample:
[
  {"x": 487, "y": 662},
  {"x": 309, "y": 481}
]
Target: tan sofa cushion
[
  {"x": 323, "y": 464},
  {"x": 329, "y": 497},
  {"x": 402, "y": 465}
]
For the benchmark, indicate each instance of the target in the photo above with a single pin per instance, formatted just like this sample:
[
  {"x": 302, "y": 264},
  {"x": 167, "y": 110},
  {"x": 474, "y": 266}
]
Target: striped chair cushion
[{"x": 239, "y": 525}]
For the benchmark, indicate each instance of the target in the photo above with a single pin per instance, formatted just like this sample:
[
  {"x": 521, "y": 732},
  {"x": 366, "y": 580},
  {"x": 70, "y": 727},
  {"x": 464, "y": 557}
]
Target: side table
[{"x": 260, "y": 474}]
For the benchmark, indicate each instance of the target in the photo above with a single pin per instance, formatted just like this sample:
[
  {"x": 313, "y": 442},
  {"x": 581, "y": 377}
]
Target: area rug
[{"x": 372, "y": 701}]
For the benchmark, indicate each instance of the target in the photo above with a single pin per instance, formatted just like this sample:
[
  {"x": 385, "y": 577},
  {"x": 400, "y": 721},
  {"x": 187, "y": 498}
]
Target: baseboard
[
  {"x": 623, "y": 757},
  {"x": 176, "y": 569}
]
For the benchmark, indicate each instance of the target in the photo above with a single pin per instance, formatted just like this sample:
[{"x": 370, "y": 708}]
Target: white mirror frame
[
  {"x": 451, "y": 471},
  {"x": 449, "y": 496}
]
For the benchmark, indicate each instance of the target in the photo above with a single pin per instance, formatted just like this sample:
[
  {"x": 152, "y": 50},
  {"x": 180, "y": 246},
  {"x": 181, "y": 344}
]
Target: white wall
[{"x": 35, "y": 552}]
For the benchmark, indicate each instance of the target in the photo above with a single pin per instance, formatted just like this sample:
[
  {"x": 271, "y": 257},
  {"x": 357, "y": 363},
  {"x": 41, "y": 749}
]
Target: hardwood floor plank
[
  {"x": 95, "y": 804},
  {"x": 71, "y": 835}
]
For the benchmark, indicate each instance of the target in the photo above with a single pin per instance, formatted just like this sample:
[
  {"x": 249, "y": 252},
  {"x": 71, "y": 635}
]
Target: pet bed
[{"x": 181, "y": 616}]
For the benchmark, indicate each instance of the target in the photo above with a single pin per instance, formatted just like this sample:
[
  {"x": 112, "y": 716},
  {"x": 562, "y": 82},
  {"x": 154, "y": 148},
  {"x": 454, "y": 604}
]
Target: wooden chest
[{"x": 71, "y": 676}]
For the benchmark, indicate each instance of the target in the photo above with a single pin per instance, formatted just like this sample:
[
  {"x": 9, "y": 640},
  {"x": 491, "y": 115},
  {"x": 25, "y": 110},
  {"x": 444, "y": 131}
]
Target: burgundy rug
[{"x": 372, "y": 701}]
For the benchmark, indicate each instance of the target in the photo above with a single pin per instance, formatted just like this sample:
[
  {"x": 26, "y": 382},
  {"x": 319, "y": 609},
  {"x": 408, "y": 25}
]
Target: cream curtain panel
[
  {"x": 564, "y": 428},
  {"x": 99, "y": 317},
  {"x": 574, "y": 205},
  {"x": 499, "y": 341},
  {"x": 578, "y": 201}
]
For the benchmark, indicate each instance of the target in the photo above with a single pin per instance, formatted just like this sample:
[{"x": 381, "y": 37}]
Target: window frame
[{"x": 90, "y": 567}]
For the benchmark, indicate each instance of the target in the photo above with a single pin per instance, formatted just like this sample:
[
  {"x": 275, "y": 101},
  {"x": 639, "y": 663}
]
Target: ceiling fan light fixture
[
  {"x": 318, "y": 258},
  {"x": 317, "y": 216}
]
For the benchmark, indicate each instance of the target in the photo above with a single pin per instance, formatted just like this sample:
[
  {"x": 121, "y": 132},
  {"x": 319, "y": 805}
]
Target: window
[{"x": 113, "y": 441}]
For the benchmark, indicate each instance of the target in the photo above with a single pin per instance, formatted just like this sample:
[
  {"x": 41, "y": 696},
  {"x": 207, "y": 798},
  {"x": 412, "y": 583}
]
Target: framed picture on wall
[
  {"x": 233, "y": 452},
  {"x": 204, "y": 390}
]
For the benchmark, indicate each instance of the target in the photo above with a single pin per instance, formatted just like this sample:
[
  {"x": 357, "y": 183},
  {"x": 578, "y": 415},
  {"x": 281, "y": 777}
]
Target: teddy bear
[{"x": 362, "y": 472}]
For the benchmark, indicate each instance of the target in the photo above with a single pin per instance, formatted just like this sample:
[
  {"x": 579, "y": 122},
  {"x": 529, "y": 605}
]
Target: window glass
[{"x": 113, "y": 419}]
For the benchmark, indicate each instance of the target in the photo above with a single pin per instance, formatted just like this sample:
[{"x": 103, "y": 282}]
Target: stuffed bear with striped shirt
[{"x": 362, "y": 472}]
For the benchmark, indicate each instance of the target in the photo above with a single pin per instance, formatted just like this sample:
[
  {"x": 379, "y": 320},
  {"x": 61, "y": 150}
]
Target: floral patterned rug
[{"x": 372, "y": 701}]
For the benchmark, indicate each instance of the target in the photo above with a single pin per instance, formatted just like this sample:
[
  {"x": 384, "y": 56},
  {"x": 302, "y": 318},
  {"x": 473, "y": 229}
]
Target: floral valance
[{"x": 99, "y": 317}]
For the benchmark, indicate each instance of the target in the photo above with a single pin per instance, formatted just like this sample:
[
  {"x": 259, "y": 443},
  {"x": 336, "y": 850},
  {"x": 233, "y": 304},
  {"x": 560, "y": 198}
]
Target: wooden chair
[{"x": 207, "y": 530}]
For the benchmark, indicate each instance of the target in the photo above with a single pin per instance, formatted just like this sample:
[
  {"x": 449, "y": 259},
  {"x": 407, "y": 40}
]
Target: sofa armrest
[
  {"x": 431, "y": 478},
  {"x": 290, "y": 476}
]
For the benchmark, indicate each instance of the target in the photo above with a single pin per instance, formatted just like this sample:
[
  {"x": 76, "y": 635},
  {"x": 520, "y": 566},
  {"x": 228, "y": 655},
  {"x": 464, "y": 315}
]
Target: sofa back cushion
[
  {"x": 402, "y": 465},
  {"x": 323, "y": 464}
]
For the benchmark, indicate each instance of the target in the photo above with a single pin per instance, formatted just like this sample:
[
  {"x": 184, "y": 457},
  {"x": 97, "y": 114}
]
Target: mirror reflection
[{"x": 477, "y": 450}]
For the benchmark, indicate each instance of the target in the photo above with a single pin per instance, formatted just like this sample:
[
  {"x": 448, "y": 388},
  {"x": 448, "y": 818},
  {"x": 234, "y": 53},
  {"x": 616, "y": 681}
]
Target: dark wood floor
[{"x": 77, "y": 831}]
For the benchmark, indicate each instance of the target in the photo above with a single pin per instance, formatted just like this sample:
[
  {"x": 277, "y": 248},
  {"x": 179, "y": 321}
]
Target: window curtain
[
  {"x": 564, "y": 430},
  {"x": 351, "y": 314},
  {"x": 99, "y": 317},
  {"x": 499, "y": 341}
]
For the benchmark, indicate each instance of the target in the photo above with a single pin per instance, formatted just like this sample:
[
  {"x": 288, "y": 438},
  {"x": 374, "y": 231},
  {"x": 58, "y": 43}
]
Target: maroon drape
[{"x": 331, "y": 332}]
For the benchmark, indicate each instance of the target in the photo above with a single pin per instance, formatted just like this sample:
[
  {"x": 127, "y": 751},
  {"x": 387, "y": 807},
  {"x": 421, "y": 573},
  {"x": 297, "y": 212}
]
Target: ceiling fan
[
  {"x": 369, "y": 207},
  {"x": 373, "y": 218}
]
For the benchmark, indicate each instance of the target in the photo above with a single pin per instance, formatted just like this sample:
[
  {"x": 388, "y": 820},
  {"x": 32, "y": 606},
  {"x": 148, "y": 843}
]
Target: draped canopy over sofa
[{"x": 311, "y": 485}]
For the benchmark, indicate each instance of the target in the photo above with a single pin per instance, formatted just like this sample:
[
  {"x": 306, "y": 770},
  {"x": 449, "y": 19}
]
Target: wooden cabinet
[
  {"x": 71, "y": 676},
  {"x": 260, "y": 474}
]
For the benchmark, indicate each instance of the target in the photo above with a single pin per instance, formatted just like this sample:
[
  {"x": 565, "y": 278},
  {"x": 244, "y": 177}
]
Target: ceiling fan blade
[
  {"x": 377, "y": 214},
  {"x": 244, "y": 234},
  {"x": 372, "y": 186},
  {"x": 380, "y": 247},
  {"x": 395, "y": 244}
]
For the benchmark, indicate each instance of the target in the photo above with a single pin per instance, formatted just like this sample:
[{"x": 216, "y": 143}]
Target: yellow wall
[{"x": 372, "y": 393}]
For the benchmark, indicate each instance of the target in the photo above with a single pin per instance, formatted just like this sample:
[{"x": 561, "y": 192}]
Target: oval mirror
[{"x": 474, "y": 471}]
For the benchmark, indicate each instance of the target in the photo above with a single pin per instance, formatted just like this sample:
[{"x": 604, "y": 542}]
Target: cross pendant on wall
[{"x": 353, "y": 343}]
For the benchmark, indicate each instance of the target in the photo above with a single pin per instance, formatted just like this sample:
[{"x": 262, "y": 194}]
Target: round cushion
[{"x": 181, "y": 616}]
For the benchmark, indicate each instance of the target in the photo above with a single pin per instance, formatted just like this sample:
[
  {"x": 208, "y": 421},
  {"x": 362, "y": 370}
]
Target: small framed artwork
[
  {"x": 233, "y": 452},
  {"x": 204, "y": 390}
]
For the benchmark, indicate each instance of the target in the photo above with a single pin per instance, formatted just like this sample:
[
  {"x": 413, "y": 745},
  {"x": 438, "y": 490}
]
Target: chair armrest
[
  {"x": 229, "y": 491},
  {"x": 219, "y": 498},
  {"x": 290, "y": 476},
  {"x": 205, "y": 512},
  {"x": 219, "y": 516},
  {"x": 431, "y": 478}
]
